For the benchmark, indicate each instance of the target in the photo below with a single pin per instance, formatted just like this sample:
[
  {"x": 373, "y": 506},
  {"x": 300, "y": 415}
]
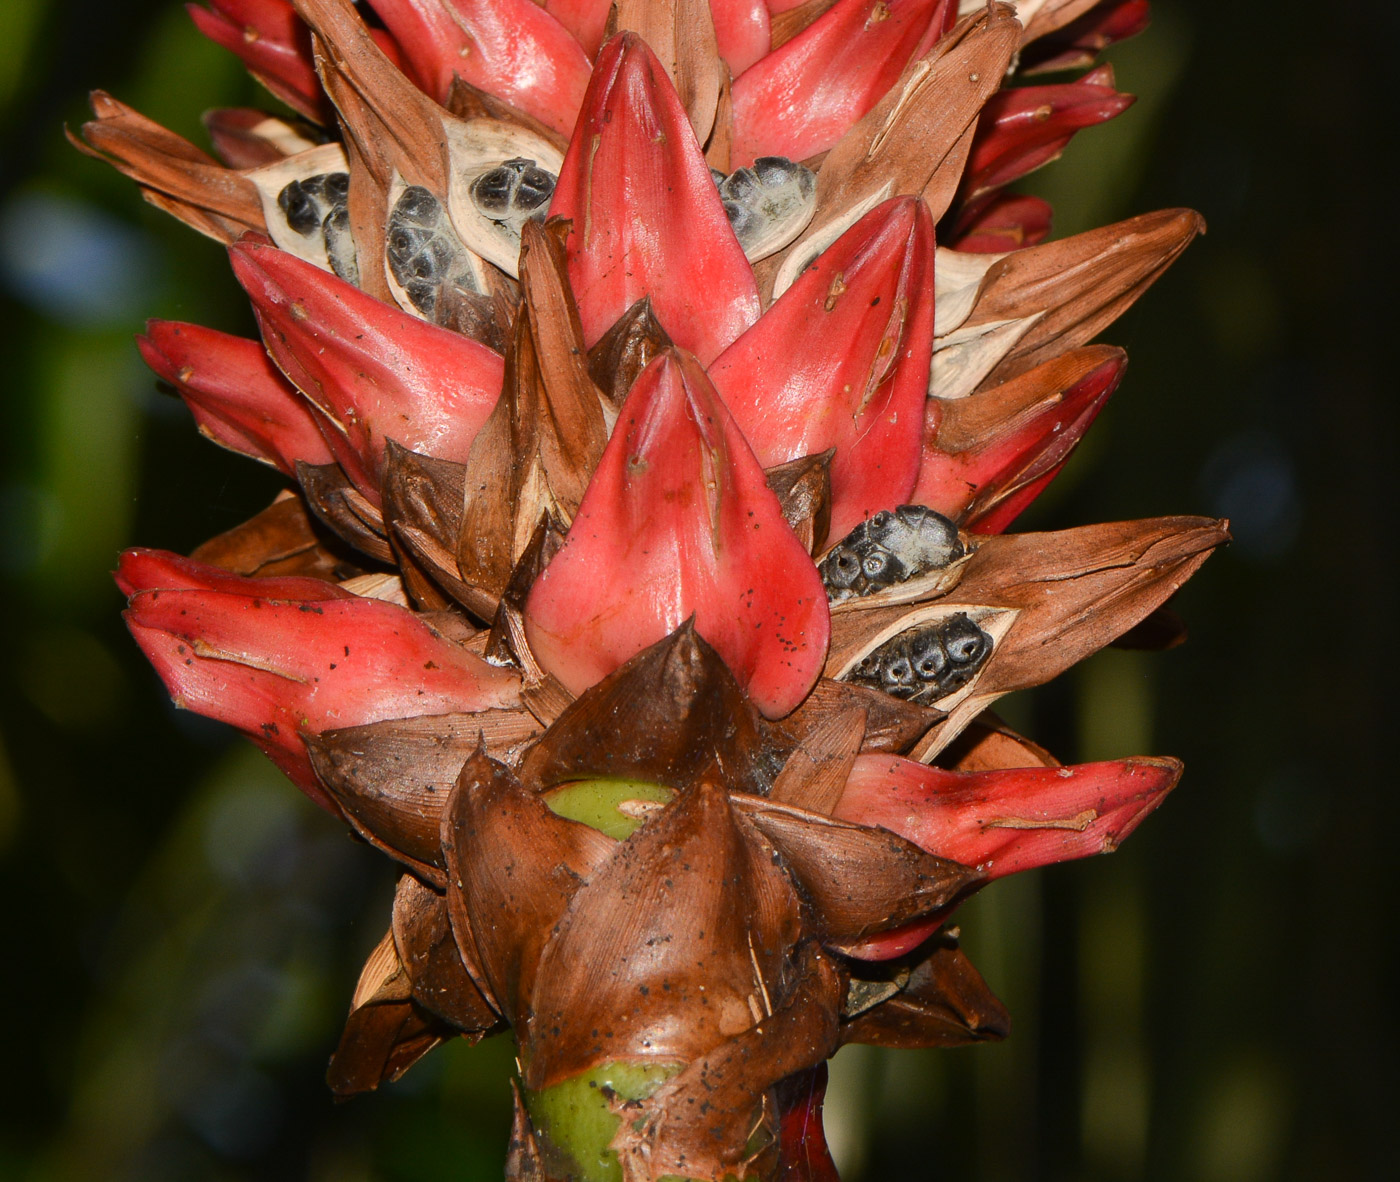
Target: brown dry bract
[
  {"x": 677, "y": 943},
  {"x": 343, "y": 509},
  {"x": 281, "y": 540},
  {"x": 682, "y": 35},
  {"x": 803, "y": 489},
  {"x": 625, "y": 350},
  {"x": 945, "y": 1003},
  {"x": 859, "y": 880},
  {"x": 513, "y": 866},
  {"x": 438, "y": 979},
  {"x": 386, "y": 1032},
  {"x": 1081, "y": 284},
  {"x": 672, "y": 715},
  {"x": 173, "y": 174},
  {"x": 542, "y": 441},
  {"x": 916, "y": 138}
]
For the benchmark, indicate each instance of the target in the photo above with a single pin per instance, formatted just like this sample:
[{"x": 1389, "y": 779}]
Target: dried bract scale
[
  {"x": 891, "y": 547},
  {"x": 926, "y": 664},
  {"x": 769, "y": 203}
]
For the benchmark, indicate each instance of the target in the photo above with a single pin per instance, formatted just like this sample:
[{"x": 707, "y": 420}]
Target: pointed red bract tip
[
  {"x": 803, "y": 97},
  {"x": 1009, "y": 820},
  {"x": 237, "y": 396},
  {"x": 676, "y": 522},
  {"x": 986, "y": 486},
  {"x": 273, "y": 42},
  {"x": 1003, "y": 222},
  {"x": 743, "y": 32},
  {"x": 512, "y": 49},
  {"x": 647, "y": 218},
  {"x": 273, "y": 660},
  {"x": 842, "y": 360},
  {"x": 1022, "y": 128},
  {"x": 373, "y": 371}
]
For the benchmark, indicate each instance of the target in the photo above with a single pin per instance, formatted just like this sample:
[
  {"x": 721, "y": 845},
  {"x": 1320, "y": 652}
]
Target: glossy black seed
[
  {"x": 340, "y": 245},
  {"x": 300, "y": 207},
  {"x": 337, "y": 186},
  {"x": 418, "y": 206},
  {"x": 928, "y": 663},
  {"x": 536, "y": 188},
  {"x": 517, "y": 186},
  {"x": 888, "y": 548}
]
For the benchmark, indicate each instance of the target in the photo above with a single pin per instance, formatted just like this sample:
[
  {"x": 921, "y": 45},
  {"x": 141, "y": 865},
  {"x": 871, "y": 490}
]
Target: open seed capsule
[
  {"x": 305, "y": 205},
  {"x": 768, "y": 204},
  {"x": 423, "y": 255},
  {"x": 888, "y": 548},
  {"x": 501, "y": 176},
  {"x": 928, "y": 663}
]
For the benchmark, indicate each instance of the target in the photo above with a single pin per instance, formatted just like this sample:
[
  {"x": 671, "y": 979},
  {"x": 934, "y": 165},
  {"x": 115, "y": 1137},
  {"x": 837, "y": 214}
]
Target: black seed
[
  {"x": 891, "y": 547},
  {"x": 301, "y": 209},
  {"x": 928, "y": 663},
  {"x": 536, "y": 188}
]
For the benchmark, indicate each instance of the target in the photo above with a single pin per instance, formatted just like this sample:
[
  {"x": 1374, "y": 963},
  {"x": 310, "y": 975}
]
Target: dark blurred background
[{"x": 1214, "y": 1003}]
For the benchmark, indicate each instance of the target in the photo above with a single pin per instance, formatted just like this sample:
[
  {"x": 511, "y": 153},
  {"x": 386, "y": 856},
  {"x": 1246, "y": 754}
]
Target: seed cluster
[
  {"x": 888, "y": 548},
  {"x": 321, "y": 204},
  {"x": 423, "y": 250},
  {"x": 925, "y": 664}
]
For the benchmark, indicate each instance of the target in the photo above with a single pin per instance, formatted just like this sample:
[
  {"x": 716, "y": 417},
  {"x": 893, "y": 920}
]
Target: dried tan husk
[
  {"x": 671, "y": 715},
  {"x": 803, "y": 489},
  {"x": 386, "y": 1032},
  {"x": 914, "y": 140},
  {"x": 1077, "y": 286},
  {"x": 281, "y": 540},
  {"x": 859, "y": 880},
  {"x": 543, "y": 439},
  {"x": 784, "y": 26},
  {"x": 173, "y": 174},
  {"x": 343, "y": 509},
  {"x": 890, "y": 724},
  {"x": 815, "y": 774},
  {"x": 439, "y": 982},
  {"x": 698, "y": 1123},
  {"x": 942, "y": 1001},
  {"x": 676, "y": 943},
  {"x": 682, "y": 35},
  {"x": 625, "y": 350},
  {"x": 513, "y": 866}
]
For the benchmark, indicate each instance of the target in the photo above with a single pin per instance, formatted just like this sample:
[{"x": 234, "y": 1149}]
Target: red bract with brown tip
[
  {"x": 373, "y": 371},
  {"x": 510, "y": 48},
  {"x": 237, "y": 396},
  {"x": 801, "y": 98},
  {"x": 842, "y": 360},
  {"x": 647, "y": 219},
  {"x": 678, "y": 521},
  {"x": 277, "y": 667}
]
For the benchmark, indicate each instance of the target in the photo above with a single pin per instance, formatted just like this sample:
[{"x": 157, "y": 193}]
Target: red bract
[
  {"x": 585, "y": 19},
  {"x": 801, "y": 98},
  {"x": 274, "y": 44},
  {"x": 743, "y": 32},
  {"x": 275, "y": 660},
  {"x": 1019, "y": 447},
  {"x": 1008, "y": 221},
  {"x": 371, "y": 369},
  {"x": 237, "y": 396},
  {"x": 842, "y": 360},
  {"x": 1006, "y": 821},
  {"x": 510, "y": 48},
  {"x": 647, "y": 217},
  {"x": 678, "y": 521},
  {"x": 1021, "y": 129},
  {"x": 1080, "y": 41}
]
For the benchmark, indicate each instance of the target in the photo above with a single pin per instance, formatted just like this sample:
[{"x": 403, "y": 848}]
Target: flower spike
[
  {"x": 647, "y": 217},
  {"x": 237, "y": 396},
  {"x": 512, "y": 49},
  {"x": 842, "y": 359},
  {"x": 678, "y": 521},
  {"x": 372, "y": 370},
  {"x": 269, "y": 659},
  {"x": 802, "y": 98}
]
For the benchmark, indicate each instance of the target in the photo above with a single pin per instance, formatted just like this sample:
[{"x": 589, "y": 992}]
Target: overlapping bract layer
[{"x": 567, "y": 458}]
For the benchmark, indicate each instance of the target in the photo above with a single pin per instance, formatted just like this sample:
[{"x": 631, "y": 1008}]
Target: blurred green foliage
[{"x": 1210, "y": 1005}]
